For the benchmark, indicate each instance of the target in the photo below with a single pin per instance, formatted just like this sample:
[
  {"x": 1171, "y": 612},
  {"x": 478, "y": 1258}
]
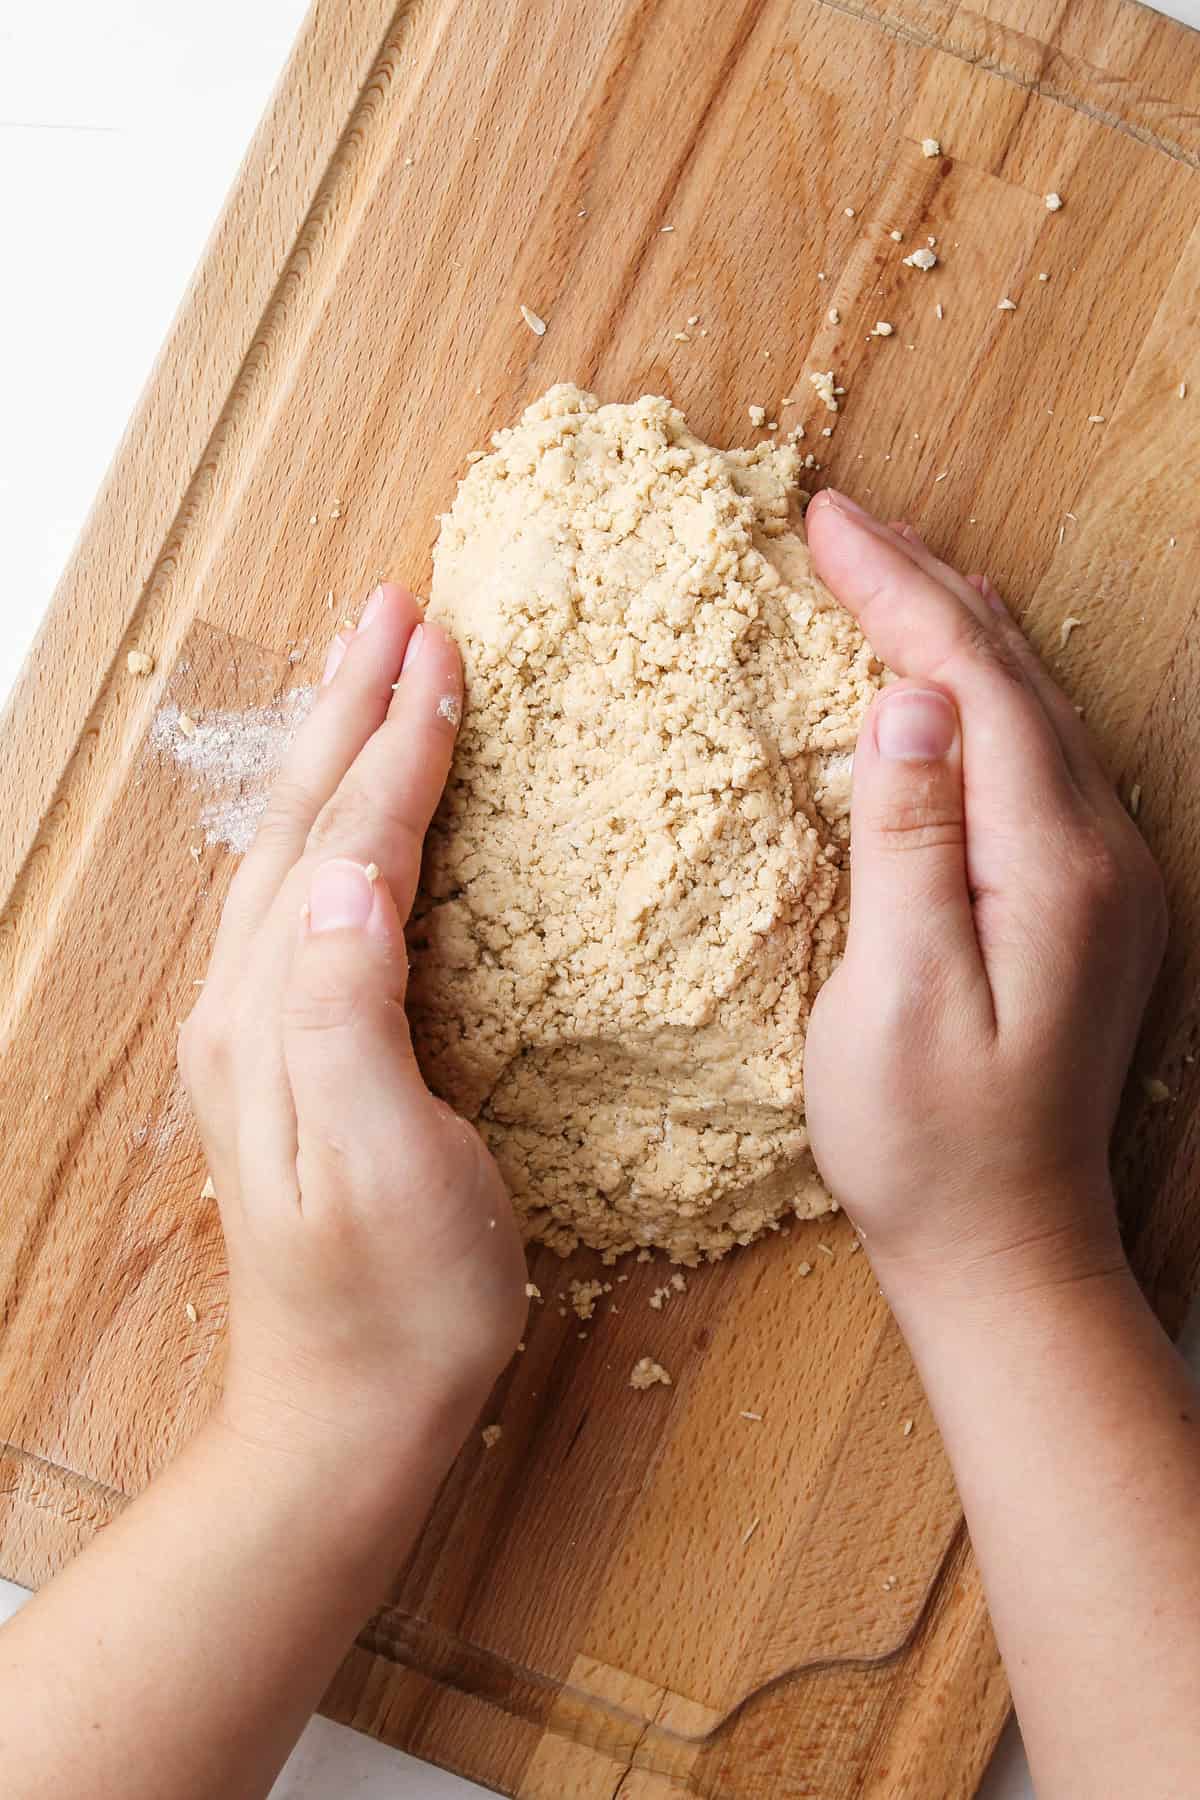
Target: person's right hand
[
  {"x": 965, "y": 1061},
  {"x": 376, "y": 1273}
]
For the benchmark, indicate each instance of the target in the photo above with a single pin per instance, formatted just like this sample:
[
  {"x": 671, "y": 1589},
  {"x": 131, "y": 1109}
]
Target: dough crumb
[
  {"x": 584, "y": 1295},
  {"x": 636, "y": 880},
  {"x": 532, "y": 1291},
  {"x": 1135, "y": 799},
  {"x": 921, "y": 259},
  {"x": 491, "y": 1435},
  {"x": 1068, "y": 625},
  {"x": 191, "y": 1313},
  {"x": 646, "y": 1373},
  {"x": 185, "y": 725},
  {"x": 823, "y": 382},
  {"x": 1006, "y": 305},
  {"x": 907, "y": 1428},
  {"x": 208, "y": 1191},
  {"x": 930, "y": 147},
  {"x": 883, "y": 328},
  {"x": 1156, "y": 1091},
  {"x": 536, "y": 325},
  {"x": 372, "y": 872},
  {"x": 138, "y": 663},
  {"x": 1053, "y": 202},
  {"x": 758, "y": 415}
]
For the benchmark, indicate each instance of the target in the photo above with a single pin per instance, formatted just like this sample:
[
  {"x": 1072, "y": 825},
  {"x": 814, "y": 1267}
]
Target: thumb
[
  {"x": 347, "y": 1049},
  {"x": 909, "y": 899}
]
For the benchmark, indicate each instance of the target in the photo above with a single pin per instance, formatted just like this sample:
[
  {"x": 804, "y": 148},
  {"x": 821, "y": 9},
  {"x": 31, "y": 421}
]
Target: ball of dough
[{"x": 635, "y": 882}]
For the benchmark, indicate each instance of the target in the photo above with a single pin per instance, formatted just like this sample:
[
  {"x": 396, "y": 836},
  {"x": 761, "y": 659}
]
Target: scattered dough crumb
[
  {"x": 1053, "y": 202},
  {"x": 939, "y": 311},
  {"x": 491, "y": 1435},
  {"x": 449, "y": 707},
  {"x": 372, "y": 872},
  {"x": 921, "y": 259},
  {"x": 883, "y": 328},
  {"x": 532, "y": 1291},
  {"x": 1156, "y": 1091},
  {"x": 758, "y": 415},
  {"x": 835, "y": 317},
  {"x": 1044, "y": 275},
  {"x": 1135, "y": 799},
  {"x": 693, "y": 318},
  {"x": 849, "y": 212},
  {"x": 897, "y": 237},
  {"x": 1006, "y": 305},
  {"x": 750, "y": 1530},
  {"x": 584, "y": 1295},
  {"x": 755, "y": 1416},
  {"x": 930, "y": 147},
  {"x": 804, "y": 1268},
  {"x": 907, "y": 1428},
  {"x": 823, "y": 382},
  {"x": 535, "y": 324},
  {"x": 1095, "y": 418},
  {"x": 138, "y": 663},
  {"x": 208, "y": 1191},
  {"x": 1068, "y": 625},
  {"x": 192, "y": 1314},
  {"x": 186, "y": 725},
  {"x": 646, "y": 1373},
  {"x": 1183, "y": 390}
]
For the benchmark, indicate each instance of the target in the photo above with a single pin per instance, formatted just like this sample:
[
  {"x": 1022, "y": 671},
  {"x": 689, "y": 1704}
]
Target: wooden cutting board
[{"x": 644, "y": 1592}]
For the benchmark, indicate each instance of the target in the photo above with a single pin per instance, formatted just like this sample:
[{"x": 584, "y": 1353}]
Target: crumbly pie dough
[{"x": 636, "y": 881}]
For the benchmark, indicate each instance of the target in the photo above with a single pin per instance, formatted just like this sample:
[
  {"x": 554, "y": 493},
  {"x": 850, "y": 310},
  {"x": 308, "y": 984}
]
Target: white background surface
[{"x": 126, "y": 124}]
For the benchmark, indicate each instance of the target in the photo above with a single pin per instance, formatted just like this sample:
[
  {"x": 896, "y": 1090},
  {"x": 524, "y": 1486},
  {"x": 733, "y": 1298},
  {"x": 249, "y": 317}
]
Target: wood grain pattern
[{"x": 635, "y": 1593}]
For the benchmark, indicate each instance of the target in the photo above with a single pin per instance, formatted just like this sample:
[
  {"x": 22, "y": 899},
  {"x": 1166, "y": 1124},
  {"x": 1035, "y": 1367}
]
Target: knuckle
[
  {"x": 921, "y": 818},
  {"x": 290, "y": 806},
  {"x": 353, "y": 824},
  {"x": 331, "y": 994},
  {"x": 203, "y": 1050}
]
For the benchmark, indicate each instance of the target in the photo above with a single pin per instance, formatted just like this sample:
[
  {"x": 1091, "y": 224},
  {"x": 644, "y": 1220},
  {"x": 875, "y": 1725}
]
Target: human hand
[
  {"x": 965, "y": 1061},
  {"x": 375, "y": 1268}
]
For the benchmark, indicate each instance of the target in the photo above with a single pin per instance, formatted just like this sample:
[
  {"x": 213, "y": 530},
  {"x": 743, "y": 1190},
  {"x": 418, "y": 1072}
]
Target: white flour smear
[{"x": 232, "y": 758}]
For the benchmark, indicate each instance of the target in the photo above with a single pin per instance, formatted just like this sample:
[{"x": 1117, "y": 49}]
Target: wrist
[
  {"x": 381, "y": 1466},
  {"x": 1049, "y": 1242}
]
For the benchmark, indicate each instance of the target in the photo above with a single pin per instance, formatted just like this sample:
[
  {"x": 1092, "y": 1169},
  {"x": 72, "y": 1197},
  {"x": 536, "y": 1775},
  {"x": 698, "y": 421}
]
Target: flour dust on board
[{"x": 232, "y": 757}]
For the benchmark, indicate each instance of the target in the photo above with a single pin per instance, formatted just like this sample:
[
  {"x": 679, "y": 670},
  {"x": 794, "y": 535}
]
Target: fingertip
[
  {"x": 432, "y": 676},
  {"x": 385, "y": 597}
]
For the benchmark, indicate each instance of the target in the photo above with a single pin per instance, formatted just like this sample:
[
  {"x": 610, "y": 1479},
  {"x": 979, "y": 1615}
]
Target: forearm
[
  {"x": 1074, "y": 1431},
  {"x": 180, "y": 1656}
]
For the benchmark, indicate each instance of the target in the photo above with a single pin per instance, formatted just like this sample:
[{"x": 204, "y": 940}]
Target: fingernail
[
  {"x": 842, "y": 503},
  {"x": 341, "y": 897},
  {"x": 915, "y": 725},
  {"x": 371, "y": 610},
  {"x": 414, "y": 648},
  {"x": 333, "y": 660}
]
